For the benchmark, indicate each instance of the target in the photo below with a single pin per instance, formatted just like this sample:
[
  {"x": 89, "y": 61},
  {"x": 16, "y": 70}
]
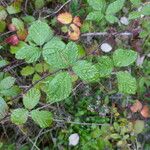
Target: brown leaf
[
  {"x": 137, "y": 106},
  {"x": 22, "y": 34},
  {"x": 145, "y": 112},
  {"x": 77, "y": 21},
  {"x": 65, "y": 18},
  {"x": 74, "y": 32}
]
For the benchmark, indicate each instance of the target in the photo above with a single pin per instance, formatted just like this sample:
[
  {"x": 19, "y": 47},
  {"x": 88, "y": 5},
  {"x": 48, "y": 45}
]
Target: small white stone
[
  {"x": 124, "y": 20},
  {"x": 140, "y": 60},
  {"x": 105, "y": 47},
  {"x": 73, "y": 139}
]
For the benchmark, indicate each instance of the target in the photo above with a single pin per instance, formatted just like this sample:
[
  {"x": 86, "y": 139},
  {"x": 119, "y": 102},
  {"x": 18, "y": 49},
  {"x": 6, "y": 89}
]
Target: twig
[
  {"x": 79, "y": 123},
  {"x": 36, "y": 139},
  {"x": 58, "y": 9},
  {"x": 106, "y": 33}
]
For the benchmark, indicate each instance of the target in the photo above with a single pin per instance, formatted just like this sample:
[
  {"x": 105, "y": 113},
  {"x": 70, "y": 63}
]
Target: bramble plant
[{"x": 88, "y": 62}]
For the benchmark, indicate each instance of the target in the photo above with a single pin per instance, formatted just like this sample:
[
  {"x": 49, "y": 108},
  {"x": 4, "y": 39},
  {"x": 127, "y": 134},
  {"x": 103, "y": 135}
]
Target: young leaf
[
  {"x": 96, "y": 4},
  {"x": 31, "y": 98},
  {"x": 59, "y": 55},
  {"x": 115, "y": 7},
  {"x": 29, "y": 53},
  {"x": 95, "y": 16},
  {"x": 39, "y": 4},
  {"x": 86, "y": 71},
  {"x": 111, "y": 19},
  {"x": 105, "y": 66},
  {"x": 126, "y": 83},
  {"x": 123, "y": 57},
  {"x": 39, "y": 32},
  {"x": 59, "y": 87},
  {"x": 19, "y": 116},
  {"x": 28, "y": 70},
  {"x": 42, "y": 118},
  {"x": 7, "y": 83},
  {"x": 3, "y": 108}
]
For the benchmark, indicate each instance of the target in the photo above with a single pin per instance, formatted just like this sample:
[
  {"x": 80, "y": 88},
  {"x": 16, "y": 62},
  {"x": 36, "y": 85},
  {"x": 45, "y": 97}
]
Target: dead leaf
[
  {"x": 22, "y": 34},
  {"x": 74, "y": 32},
  {"x": 77, "y": 21},
  {"x": 145, "y": 112},
  {"x": 65, "y": 18},
  {"x": 13, "y": 40},
  {"x": 137, "y": 106}
]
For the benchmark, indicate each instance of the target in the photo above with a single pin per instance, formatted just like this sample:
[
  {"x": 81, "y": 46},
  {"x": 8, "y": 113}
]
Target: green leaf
[
  {"x": 96, "y": 4},
  {"x": 42, "y": 118},
  {"x": 14, "y": 49},
  {"x": 86, "y": 71},
  {"x": 115, "y": 7},
  {"x": 3, "y": 108},
  {"x": 2, "y": 26},
  {"x": 59, "y": 55},
  {"x": 135, "y": 2},
  {"x": 105, "y": 66},
  {"x": 18, "y": 23},
  {"x": 139, "y": 126},
  {"x": 111, "y": 19},
  {"x": 26, "y": 71},
  {"x": 134, "y": 15},
  {"x": 41, "y": 67},
  {"x": 14, "y": 8},
  {"x": 146, "y": 9},
  {"x": 7, "y": 83},
  {"x": 39, "y": 32},
  {"x": 19, "y": 116},
  {"x": 59, "y": 88},
  {"x": 3, "y": 63},
  {"x": 13, "y": 91},
  {"x": 29, "y": 53},
  {"x": 3, "y": 13},
  {"x": 123, "y": 57},
  {"x": 31, "y": 98},
  {"x": 95, "y": 16},
  {"x": 39, "y": 4},
  {"x": 126, "y": 83}
]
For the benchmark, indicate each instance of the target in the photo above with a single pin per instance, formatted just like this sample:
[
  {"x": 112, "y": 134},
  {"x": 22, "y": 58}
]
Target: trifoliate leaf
[
  {"x": 39, "y": 32},
  {"x": 126, "y": 83},
  {"x": 123, "y": 57},
  {"x": 59, "y": 55},
  {"x": 31, "y": 98},
  {"x": 29, "y": 53},
  {"x": 42, "y": 118},
  {"x": 28, "y": 70},
  {"x": 86, "y": 71},
  {"x": 3, "y": 108},
  {"x": 59, "y": 87},
  {"x": 115, "y": 7},
  {"x": 19, "y": 116},
  {"x": 105, "y": 66},
  {"x": 7, "y": 83}
]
